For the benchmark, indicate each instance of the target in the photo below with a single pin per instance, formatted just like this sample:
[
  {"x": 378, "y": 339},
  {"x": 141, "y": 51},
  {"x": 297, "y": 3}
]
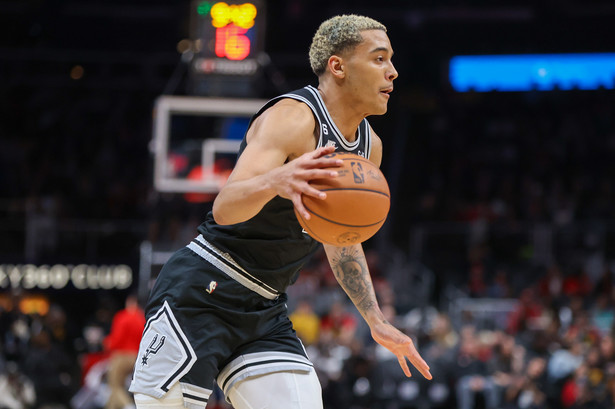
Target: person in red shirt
[
  {"x": 339, "y": 323},
  {"x": 123, "y": 346},
  {"x": 526, "y": 313}
]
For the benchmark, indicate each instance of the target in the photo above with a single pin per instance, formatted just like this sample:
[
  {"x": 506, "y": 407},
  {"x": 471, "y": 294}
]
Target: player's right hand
[
  {"x": 292, "y": 180},
  {"x": 402, "y": 346}
]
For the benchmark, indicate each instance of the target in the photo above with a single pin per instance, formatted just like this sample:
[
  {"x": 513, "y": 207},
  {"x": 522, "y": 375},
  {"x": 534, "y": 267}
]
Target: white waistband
[{"x": 225, "y": 263}]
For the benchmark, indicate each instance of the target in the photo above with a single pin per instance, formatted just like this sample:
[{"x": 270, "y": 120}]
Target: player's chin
[{"x": 381, "y": 110}]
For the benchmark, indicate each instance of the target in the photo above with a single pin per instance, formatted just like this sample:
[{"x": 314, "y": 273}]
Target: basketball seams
[
  {"x": 313, "y": 213},
  {"x": 307, "y": 228}
]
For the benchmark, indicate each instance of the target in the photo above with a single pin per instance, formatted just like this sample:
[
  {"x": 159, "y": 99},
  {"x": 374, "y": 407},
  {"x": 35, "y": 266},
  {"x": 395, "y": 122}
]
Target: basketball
[{"x": 356, "y": 206}]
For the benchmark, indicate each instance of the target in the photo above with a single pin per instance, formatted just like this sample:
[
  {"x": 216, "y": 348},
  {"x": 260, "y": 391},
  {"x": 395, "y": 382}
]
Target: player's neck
[{"x": 346, "y": 118}]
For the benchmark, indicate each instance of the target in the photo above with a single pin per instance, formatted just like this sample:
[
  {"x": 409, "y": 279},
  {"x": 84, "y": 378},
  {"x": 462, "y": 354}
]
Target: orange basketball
[{"x": 357, "y": 203}]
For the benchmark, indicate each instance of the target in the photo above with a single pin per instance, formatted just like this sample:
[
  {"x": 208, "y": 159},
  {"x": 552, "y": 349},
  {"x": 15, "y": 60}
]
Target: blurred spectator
[
  {"x": 527, "y": 387},
  {"x": 305, "y": 322},
  {"x": 339, "y": 323},
  {"x": 123, "y": 345},
  {"x": 51, "y": 370},
  {"x": 564, "y": 362},
  {"x": 440, "y": 347},
  {"x": 604, "y": 284},
  {"x": 356, "y": 387},
  {"x": 15, "y": 335},
  {"x": 500, "y": 364},
  {"x": 606, "y": 348},
  {"x": 334, "y": 346},
  {"x": 16, "y": 390},
  {"x": 474, "y": 380},
  {"x": 550, "y": 286},
  {"x": 610, "y": 392},
  {"x": 581, "y": 330},
  {"x": 59, "y": 327},
  {"x": 477, "y": 287},
  {"x": 500, "y": 287},
  {"x": 575, "y": 393},
  {"x": 477, "y": 284},
  {"x": 577, "y": 284},
  {"x": 602, "y": 314},
  {"x": 530, "y": 309}
]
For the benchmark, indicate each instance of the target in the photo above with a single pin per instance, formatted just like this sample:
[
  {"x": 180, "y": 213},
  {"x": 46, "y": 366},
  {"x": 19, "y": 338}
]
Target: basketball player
[{"x": 217, "y": 310}]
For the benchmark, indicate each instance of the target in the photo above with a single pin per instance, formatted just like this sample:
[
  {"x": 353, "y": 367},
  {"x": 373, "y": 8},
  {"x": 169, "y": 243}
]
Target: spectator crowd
[{"x": 554, "y": 350}]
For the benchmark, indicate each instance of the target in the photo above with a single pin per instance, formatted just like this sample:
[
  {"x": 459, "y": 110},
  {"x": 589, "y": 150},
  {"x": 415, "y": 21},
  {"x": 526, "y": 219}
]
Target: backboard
[{"x": 196, "y": 140}]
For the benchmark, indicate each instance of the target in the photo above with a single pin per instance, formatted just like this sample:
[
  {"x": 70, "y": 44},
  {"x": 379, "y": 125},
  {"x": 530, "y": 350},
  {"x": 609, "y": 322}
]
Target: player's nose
[{"x": 392, "y": 73}]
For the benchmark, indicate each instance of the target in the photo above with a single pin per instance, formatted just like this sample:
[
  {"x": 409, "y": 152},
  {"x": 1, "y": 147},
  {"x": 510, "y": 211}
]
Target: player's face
[{"x": 370, "y": 72}]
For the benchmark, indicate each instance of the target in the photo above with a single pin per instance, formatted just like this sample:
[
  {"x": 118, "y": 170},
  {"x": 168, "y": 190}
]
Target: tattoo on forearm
[{"x": 351, "y": 271}]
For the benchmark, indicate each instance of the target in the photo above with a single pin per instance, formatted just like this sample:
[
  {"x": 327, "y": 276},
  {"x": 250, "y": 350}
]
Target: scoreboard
[{"x": 228, "y": 40}]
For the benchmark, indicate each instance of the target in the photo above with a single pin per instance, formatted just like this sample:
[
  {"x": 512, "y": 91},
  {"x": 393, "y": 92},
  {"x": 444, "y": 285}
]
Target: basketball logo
[
  {"x": 357, "y": 172},
  {"x": 347, "y": 238}
]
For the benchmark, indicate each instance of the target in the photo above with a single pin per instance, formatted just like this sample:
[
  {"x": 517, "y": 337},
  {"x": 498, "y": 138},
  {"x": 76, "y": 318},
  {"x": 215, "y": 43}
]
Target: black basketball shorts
[{"x": 208, "y": 319}]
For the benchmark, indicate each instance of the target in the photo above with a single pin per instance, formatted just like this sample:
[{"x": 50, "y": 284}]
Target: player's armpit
[{"x": 281, "y": 133}]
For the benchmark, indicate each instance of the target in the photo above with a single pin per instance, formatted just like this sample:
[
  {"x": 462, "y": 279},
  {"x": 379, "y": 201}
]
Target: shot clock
[
  {"x": 232, "y": 23},
  {"x": 228, "y": 38}
]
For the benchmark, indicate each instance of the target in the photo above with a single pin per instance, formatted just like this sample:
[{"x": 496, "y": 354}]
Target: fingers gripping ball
[{"x": 357, "y": 203}]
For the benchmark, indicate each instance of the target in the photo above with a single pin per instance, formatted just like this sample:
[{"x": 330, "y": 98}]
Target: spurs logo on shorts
[
  {"x": 166, "y": 355},
  {"x": 151, "y": 349}
]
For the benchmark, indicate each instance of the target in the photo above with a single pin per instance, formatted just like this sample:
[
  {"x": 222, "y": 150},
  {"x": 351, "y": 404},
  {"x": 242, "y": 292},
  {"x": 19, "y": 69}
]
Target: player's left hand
[{"x": 402, "y": 346}]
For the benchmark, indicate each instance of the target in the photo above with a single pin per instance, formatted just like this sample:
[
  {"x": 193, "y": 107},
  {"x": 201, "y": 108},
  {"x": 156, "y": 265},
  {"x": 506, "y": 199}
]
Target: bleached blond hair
[{"x": 336, "y": 35}]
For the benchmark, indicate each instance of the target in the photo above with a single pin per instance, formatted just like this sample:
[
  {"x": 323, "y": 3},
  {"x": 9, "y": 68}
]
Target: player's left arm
[
  {"x": 351, "y": 271},
  {"x": 375, "y": 154}
]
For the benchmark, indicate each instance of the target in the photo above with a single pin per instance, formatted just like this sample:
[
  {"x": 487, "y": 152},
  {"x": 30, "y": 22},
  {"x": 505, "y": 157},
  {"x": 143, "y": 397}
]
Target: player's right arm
[{"x": 279, "y": 159}]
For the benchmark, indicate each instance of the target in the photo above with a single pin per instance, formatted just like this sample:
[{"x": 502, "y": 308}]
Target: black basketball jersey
[{"x": 272, "y": 246}]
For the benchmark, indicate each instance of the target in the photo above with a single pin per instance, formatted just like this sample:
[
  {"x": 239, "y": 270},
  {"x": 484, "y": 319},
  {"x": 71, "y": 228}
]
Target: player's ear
[{"x": 336, "y": 66}]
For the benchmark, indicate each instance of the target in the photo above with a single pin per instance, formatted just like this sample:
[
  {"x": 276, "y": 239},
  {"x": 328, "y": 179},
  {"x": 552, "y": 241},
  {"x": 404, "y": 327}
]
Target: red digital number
[{"x": 232, "y": 43}]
